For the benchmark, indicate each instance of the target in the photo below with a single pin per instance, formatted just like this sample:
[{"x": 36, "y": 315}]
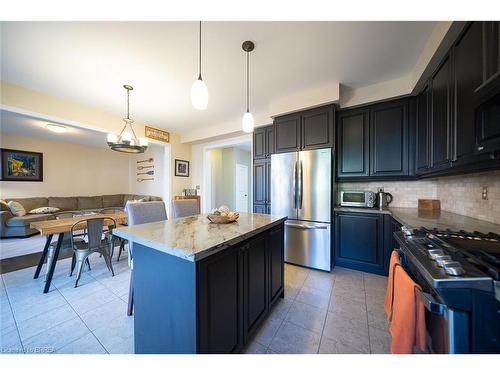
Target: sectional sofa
[{"x": 19, "y": 226}]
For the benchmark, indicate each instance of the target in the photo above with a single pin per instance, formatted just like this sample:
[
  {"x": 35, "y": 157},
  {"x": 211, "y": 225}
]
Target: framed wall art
[
  {"x": 20, "y": 165},
  {"x": 181, "y": 168}
]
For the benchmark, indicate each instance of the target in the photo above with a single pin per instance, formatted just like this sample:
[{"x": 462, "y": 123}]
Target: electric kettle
[{"x": 383, "y": 199}]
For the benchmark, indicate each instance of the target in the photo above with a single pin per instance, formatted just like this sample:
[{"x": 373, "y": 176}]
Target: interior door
[
  {"x": 241, "y": 188},
  {"x": 314, "y": 185},
  {"x": 283, "y": 184}
]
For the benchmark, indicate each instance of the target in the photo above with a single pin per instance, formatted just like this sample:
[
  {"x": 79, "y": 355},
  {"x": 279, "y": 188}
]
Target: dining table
[{"x": 62, "y": 226}]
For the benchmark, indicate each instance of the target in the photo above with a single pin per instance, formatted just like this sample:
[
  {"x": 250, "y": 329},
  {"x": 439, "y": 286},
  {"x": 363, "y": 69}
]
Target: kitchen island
[{"x": 201, "y": 287}]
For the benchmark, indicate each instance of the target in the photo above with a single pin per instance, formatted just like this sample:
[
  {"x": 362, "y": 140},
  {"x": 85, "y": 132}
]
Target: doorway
[
  {"x": 242, "y": 188},
  {"x": 227, "y": 174}
]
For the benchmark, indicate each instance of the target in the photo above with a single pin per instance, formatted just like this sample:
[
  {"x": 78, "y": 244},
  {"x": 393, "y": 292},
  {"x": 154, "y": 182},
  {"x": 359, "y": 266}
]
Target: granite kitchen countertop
[
  {"x": 442, "y": 220},
  {"x": 195, "y": 237}
]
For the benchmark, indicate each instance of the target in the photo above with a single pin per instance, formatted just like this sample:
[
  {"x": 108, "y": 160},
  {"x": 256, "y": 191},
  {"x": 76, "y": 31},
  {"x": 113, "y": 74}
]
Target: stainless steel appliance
[
  {"x": 351, "y": 198},
  {"x": 383, "y": 199},
  {"x": 459, "y": 273},
  {"x": 301, "y": 188}
]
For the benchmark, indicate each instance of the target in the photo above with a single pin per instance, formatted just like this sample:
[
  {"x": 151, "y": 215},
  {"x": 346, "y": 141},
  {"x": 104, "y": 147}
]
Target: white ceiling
[{"x": 88, "y": 62}]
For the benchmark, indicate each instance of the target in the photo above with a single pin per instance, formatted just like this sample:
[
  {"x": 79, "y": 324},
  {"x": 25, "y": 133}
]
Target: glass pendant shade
[
  {"x": 112, "y": 138},
  {"x": 247, "y": 122},
  {"x": 199, "y": 94},
  {"x": 126, "y": 136}
]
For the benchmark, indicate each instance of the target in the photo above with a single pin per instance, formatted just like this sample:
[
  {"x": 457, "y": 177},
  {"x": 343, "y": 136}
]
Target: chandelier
[{"x": 127, "y": 141}]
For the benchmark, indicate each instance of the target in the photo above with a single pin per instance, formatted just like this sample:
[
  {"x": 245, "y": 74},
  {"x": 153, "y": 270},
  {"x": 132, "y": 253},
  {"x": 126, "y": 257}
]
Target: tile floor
[{"x": 338, "y": 312}]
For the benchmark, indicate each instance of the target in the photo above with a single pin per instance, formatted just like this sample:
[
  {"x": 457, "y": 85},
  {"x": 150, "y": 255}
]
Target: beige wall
[
  {"x": 180, "y": 151},
  {"x": 24, "y": 100},
  {"x": 458, "y": 194},
  {"x": 68, "y": 169}
]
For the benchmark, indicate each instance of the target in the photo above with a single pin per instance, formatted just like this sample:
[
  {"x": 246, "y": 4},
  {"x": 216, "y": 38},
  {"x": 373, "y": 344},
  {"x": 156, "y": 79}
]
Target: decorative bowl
[{"x": 223, "y": 219}]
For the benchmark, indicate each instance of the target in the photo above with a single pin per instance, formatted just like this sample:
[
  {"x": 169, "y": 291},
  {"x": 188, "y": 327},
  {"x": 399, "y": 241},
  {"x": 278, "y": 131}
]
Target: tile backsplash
[{"x": 459, "y": 194}]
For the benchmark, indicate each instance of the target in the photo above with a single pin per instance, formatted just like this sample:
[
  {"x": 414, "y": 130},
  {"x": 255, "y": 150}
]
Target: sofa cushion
[
  {"x": 24, "y": 221},
  {"x": 31, "y": 203},
  {"x": 115, "y": 200},
  {"x": 63, "y": 203},
  {"x": 85, "y": 203},
  {"x": 44, "y": 210},
  {"x": 16, "y": 208}
]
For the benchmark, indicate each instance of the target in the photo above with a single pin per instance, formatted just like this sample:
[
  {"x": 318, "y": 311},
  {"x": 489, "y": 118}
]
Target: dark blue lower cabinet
[
  {"x": 363, "y": 241},
  {"x": 210, "y": 306}
]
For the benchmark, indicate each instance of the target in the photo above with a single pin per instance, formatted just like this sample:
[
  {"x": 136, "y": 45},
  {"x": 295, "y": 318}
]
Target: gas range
[
  {"x": 459, "y": 276},
  {"x": 448, "y": 259}
]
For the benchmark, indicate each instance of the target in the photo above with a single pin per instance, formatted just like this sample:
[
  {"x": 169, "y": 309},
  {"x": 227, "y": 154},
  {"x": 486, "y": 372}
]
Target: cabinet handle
[{"x": 480, "y": 148}]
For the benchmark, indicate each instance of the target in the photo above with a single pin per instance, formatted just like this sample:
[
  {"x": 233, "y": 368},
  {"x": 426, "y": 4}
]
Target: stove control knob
[
  {"x": 440, "y": 260},
  {"x": 453, "y": 268},
  {"x": 435, "y": 253},
  {"x": 407, "y": 231}
]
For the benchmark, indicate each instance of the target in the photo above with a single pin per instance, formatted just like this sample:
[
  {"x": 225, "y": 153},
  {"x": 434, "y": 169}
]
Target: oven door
[{"x": 447, "y": 328}]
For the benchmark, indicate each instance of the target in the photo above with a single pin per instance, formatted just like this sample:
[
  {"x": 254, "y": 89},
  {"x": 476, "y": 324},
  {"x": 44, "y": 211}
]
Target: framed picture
[
  {"x": 19, "y": 165},
  {"x": 181, "y": 168}
]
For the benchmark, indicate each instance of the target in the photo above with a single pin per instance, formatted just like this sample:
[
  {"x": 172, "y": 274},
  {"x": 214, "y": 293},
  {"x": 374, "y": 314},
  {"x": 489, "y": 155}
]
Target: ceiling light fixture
[
  {"x": 127, "y": 141},
  {"x": 199, "y": 90},
  {"x": 56, "y": 128},
  {"x": 248, "y": 122}
]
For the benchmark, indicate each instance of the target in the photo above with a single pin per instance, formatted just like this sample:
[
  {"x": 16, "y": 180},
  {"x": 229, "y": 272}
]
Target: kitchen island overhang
[{"x": 201, "y": 287}]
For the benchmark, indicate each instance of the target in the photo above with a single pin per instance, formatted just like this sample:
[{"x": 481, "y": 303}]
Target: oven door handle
[{"x": 430, "y": 303}]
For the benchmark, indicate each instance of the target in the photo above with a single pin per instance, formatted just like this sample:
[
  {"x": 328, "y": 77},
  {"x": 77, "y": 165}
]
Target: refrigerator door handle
[
  {"x": 295, "y": 185},
  {"x": 301, "y": 185},
  {"x": 303, "y": 226}
]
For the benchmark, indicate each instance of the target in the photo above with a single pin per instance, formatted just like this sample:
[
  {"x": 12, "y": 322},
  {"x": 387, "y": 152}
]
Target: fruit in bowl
[{"x": 223, "y": 215}]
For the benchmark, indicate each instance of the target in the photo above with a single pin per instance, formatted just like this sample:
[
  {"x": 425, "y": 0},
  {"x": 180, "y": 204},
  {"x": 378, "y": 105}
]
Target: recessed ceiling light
[{"x": 56, "y": 128}]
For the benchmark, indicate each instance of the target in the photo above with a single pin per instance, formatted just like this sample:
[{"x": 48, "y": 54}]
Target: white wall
[
  {"x": 158, "y": 186},
  {"x": 69, "y": 169}
]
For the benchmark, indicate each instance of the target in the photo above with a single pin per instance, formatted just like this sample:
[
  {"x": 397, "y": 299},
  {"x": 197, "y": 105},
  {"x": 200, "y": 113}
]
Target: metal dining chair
[
  {"x": 185, "y": 207},
  {"x": 95, "y": 244},
  {"x": 141, "y": 213},
  {"x": 66, "y": 242}
]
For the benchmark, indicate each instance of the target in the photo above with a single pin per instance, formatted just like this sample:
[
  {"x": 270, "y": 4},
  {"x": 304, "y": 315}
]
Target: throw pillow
[
  {"x": 44, "y": 210},
  {"x": 16, "y": 208},
  {"x": 4, "y": 206}
]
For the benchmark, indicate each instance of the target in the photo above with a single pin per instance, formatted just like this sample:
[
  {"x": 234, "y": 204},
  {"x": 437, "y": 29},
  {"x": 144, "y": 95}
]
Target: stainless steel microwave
[{"x": 357, "y": 198}]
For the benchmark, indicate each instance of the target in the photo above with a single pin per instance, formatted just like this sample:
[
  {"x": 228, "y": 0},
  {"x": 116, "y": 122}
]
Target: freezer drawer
[{"x": 308, "y": 244}]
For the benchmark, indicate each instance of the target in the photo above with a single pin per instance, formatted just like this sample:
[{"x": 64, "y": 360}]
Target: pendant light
[
  {"x": 199, "y": 90},
  {"x": 248, "y": 122},
  {"x": 127, "y": 141}
]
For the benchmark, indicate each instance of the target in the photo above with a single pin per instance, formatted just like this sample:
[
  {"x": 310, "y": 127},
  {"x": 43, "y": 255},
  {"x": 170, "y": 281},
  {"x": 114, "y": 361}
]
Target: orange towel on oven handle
[
  {"x": 390, "y": 283},
  {"x": 408, "y": 314}
]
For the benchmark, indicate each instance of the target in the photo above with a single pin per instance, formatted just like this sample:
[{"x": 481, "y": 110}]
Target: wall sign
[
  {"x": 19, "y": 165},
  {"x": 157, "y": 134}
]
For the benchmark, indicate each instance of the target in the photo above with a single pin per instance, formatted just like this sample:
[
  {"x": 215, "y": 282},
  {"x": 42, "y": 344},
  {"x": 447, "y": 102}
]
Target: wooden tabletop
[{"x": 56, "y": 226}]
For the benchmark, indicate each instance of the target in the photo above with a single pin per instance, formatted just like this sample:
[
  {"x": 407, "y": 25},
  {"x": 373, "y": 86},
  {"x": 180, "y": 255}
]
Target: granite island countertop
[
  {"x": 442, "y": 220},
  {"x": 195, "y": 237}
]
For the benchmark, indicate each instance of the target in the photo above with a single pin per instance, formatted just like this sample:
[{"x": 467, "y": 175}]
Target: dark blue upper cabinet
[
  {"x": 373, "y": 142},
  {"x": 441, "y": 116},
  {"x": 353, "y": 143},
  {"x": 467, "y": 65},
  {"x": 422, "y": 138},
  {"x": 389, "y": 139},
  {"x": 305, "y": 130}
]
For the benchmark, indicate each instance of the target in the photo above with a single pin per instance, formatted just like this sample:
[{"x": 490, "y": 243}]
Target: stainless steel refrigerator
[{"x": 301, "y": 188}]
